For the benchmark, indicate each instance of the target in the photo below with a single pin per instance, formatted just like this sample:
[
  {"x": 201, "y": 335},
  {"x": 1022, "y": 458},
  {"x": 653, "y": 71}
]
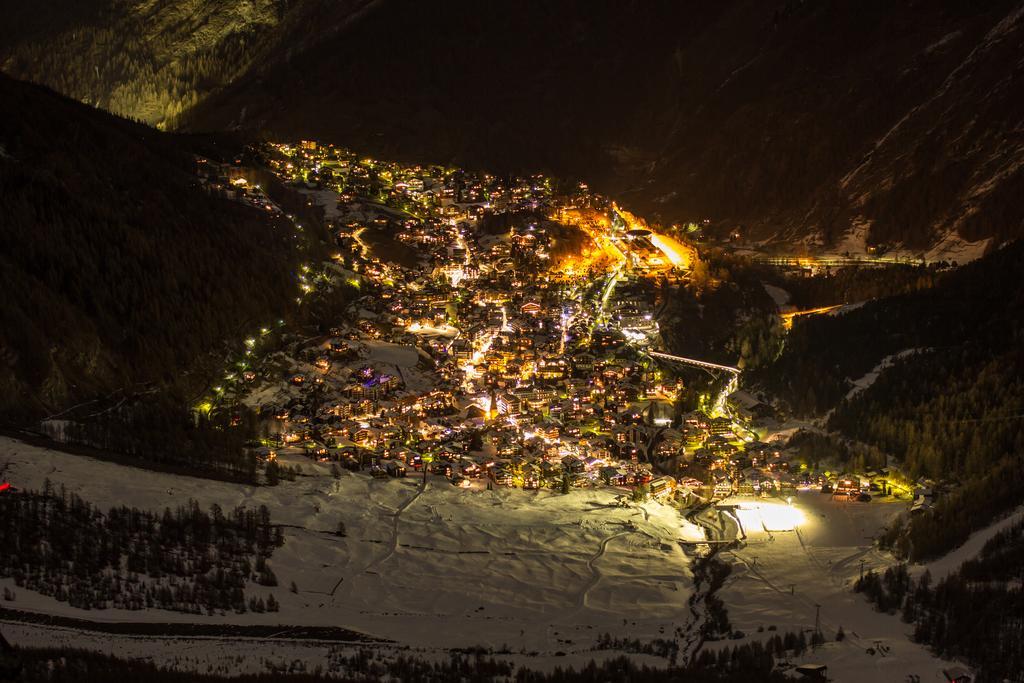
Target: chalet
[
  {"x": 549, "y": 429},
  {"x": 501, "y": 475},
  {"x": 720, "y": 426},
  {"x": 662, "y": 487},
  {"x": 470, "y": 468},
  {"x": 365, "y": 436},
  {"x": 531, "y": 476},
  {"x": 510, "y": 404},
  {"x": 847, "y": 486},
  {"x": 583, "y": 362},
  {"x": 530, "y": 308},
  {"x": 614, "y": 476},
  {"x": 411, "y": 459},
  {"x": 394, "y": 468},
  {"x": 745, "y": 409},
  {"x": 723, "y": 488},
  {"x": 548, "y": 470},
  {"x": 642, "y": 474},
  {"x": 443, "y": 468}
]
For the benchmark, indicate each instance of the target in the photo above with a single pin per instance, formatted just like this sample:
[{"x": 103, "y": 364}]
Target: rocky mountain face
[{"x": 842, "y": 123}]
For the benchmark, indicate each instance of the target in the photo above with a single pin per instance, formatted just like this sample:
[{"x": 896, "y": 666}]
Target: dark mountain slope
[
  {"x": 150, "y": 60},
  {"x": 796, "y": 117},
  {"x": 952, "y": 409},
  {"x": 976, "y": 310},
  {"x": 115, "y": 266}
]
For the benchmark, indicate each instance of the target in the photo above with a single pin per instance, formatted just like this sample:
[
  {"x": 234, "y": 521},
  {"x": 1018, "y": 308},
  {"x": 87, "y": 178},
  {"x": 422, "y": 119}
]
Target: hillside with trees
[
  {"x": 113, "y": 277},
  {"x": 187, "y": 560},
  {"x": 974, "y": 613},
  {"x": 148, "y": 61},
  {"x": 950, "y": 405},
  {"x": 972, "y": 312}
]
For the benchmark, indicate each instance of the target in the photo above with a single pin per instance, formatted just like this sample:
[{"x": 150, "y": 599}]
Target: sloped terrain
[
  {"x": 113, "y": 271},
  {"x": 847, "y": 123},
  {"x": 946, "y": 400},
  {"x": 438, "y": 567},
  {"x": 799, "y": 120},
  {"x": 143, "y": 59}
]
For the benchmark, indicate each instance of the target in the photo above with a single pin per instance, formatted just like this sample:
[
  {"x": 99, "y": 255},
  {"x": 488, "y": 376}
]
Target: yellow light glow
[
  {"x": 677, "y": 253},
  {"x": 769, "y": 517}
]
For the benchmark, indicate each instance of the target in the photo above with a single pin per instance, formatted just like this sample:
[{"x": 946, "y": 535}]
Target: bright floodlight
[
  {"x": 769, "y": 517},
  {"x": 676, "y": 252}
]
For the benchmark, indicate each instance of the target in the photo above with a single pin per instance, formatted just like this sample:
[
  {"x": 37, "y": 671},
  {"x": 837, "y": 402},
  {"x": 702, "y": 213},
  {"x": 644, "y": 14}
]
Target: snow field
[{"x": 434, "y": 568}]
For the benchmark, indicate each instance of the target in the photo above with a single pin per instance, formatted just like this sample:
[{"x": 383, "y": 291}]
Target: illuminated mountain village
[{"x": 500, "y": 334}]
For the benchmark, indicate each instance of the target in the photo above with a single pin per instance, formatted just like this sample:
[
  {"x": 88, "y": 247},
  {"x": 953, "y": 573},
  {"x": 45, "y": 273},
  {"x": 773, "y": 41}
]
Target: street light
[{"x": 426, "y": 460}]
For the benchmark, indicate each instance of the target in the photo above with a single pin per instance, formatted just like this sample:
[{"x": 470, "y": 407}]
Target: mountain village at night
[{"x": 516, "y": 343}]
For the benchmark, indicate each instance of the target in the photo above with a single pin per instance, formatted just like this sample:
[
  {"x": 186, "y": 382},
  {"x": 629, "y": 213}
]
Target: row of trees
[
  {"x": 184, "y": 560},
  {"x": 159, "y": 429},
  {"x": 736, "y": 665},
  {"x": 855, "y": 284}
]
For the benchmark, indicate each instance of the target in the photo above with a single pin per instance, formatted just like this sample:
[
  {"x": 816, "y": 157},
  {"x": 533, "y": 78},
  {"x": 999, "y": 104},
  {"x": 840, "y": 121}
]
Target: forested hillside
[
  {"x": 114, "y": 272},
  {"x": 186, "y": 561},
  {"x": 151, "y": 60},
  {"x": 974, "y": 310},
  {"x": 951, "y": 407},
  {"x": 145, "y": 60}
]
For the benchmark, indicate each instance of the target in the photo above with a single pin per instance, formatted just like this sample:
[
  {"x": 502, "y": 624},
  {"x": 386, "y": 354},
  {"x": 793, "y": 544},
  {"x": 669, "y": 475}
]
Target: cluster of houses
[{"x": 513, "y": 371}]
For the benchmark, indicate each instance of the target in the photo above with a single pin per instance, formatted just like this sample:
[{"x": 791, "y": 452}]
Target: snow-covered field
[
  {"x": 533, "y": 572},
  {"x": 393, "y": 359},
  {"x": 952, "y": 247},
  {"x": 778, "y": 578},
  {"x": 433, "y": 568},
  {"x": 328, "y": 199}
]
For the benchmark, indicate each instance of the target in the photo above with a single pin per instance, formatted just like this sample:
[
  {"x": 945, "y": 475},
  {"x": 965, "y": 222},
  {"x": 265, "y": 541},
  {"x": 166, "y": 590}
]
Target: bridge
[
  {"x": 693, "y": 361},
  {"x": 732, "y": 385}
]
